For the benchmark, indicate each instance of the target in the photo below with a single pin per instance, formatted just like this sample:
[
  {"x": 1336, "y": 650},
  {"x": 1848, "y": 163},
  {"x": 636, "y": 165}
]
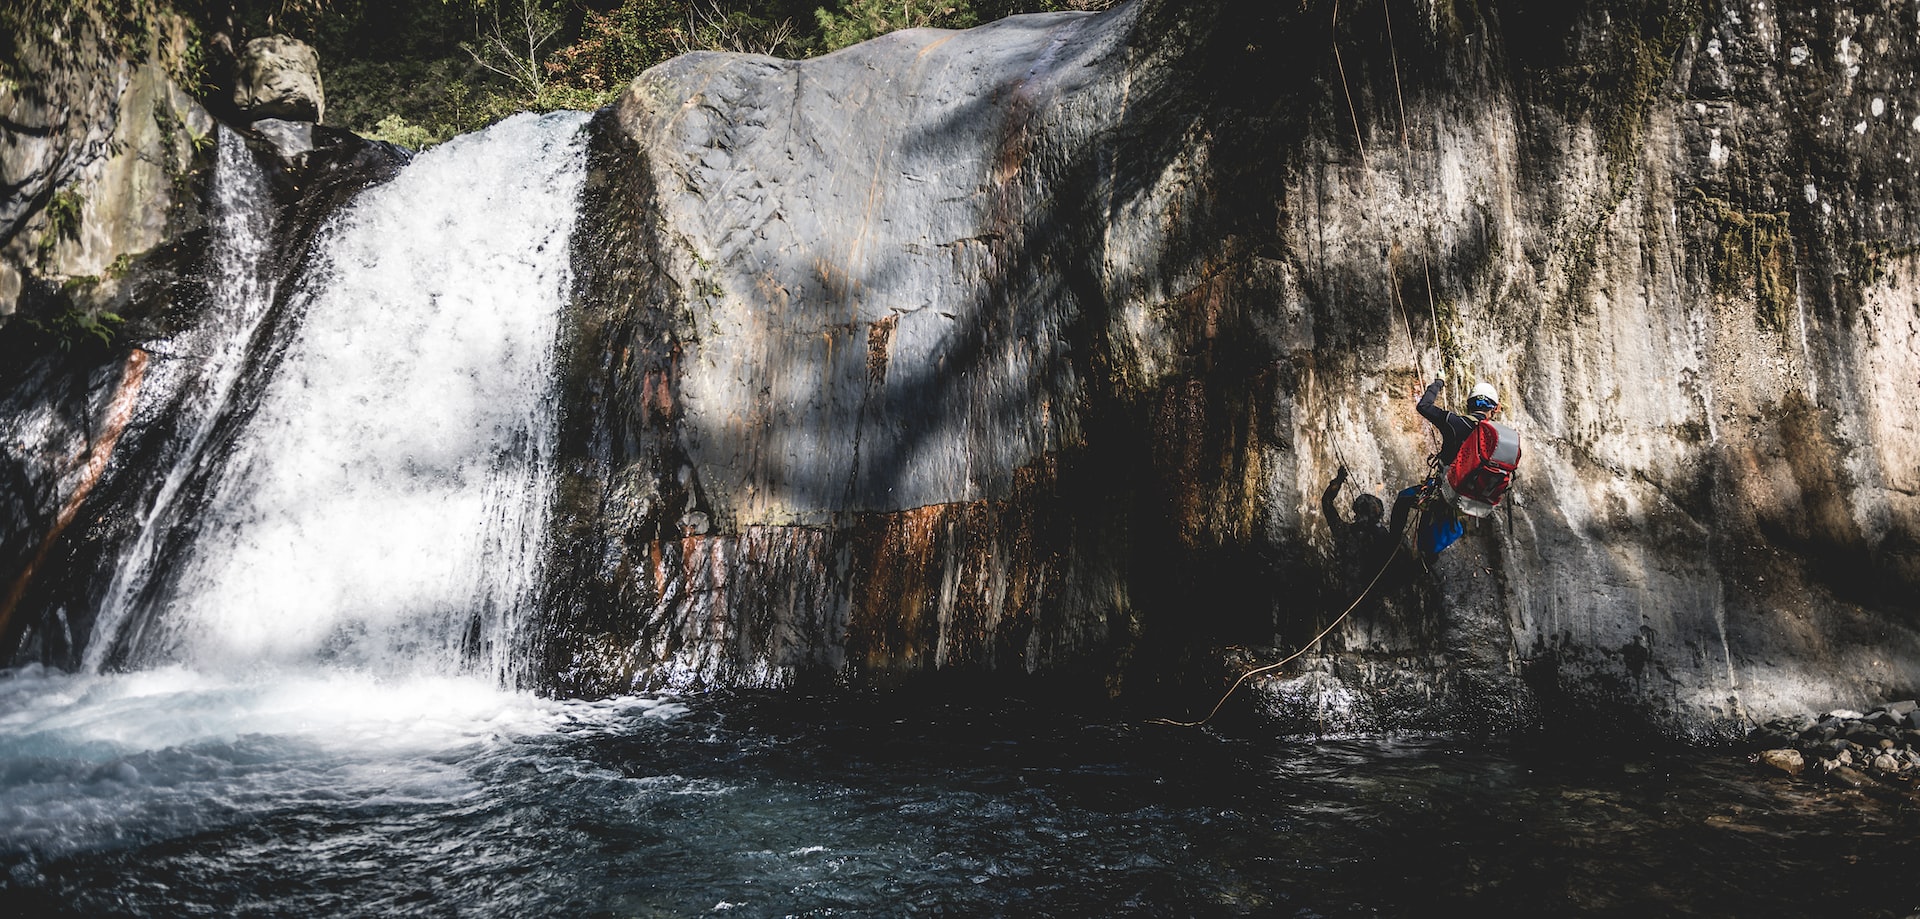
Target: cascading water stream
[
  {"x": 240, "y": 295},
  {"x": 382, "y": 507}
]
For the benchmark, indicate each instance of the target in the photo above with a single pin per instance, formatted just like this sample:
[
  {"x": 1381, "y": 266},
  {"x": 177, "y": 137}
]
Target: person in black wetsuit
[
  {"x": 1361, "y": 543},
  {"x": 1481, "y": 405}
]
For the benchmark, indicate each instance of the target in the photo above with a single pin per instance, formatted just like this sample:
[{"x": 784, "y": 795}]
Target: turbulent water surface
[{"x": 167, "y": 793}]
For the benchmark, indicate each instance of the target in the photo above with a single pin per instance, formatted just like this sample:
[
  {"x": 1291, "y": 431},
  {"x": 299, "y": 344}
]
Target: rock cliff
[
  {"x": 1033, "y": 348},
  {"x": 102, "y": 160}
]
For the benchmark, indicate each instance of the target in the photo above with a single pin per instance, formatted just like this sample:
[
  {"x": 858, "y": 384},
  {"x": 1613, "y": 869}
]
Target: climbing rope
[
  {"x": 1351, "y": 110},
  {"x": 1406, "y": 147},
  {"x": 1398, "y": 544},
  {"x": 1427, "y": 487}
]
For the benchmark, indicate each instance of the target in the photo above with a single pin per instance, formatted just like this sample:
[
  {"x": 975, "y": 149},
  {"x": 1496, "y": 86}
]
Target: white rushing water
[
  {"x": 213, "y": 354},
  {"x": 382, "y": 510},
  {"x": 342, "y": 619},
  {"x": 103, "y": 761}
]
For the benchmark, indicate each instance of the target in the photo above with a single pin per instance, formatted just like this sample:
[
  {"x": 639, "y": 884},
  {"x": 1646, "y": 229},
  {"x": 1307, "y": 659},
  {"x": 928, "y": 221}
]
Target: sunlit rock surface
[
  {"x": 1032, "y": 348},
  {"x": 279, "y": 77}
]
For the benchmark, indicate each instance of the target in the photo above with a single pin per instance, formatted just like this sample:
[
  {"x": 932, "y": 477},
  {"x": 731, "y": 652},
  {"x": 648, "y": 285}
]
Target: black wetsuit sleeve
[
  {"x": 1327, "y": 506},
  {"x": 1430, "y": 411}
]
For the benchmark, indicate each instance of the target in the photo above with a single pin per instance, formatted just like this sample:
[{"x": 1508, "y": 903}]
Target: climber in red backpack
[{"x": 1472, "y": 470}]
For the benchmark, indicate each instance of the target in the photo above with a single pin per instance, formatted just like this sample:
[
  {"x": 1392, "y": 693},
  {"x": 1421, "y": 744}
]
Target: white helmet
[{"x": 1483, "y": 390}]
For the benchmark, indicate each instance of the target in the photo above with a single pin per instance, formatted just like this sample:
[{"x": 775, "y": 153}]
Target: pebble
[{"x": 1879, "y": 747}]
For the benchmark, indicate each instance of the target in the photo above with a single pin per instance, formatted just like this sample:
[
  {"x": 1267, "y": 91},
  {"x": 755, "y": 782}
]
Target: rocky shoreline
[{"x": 1872, "y": 750}]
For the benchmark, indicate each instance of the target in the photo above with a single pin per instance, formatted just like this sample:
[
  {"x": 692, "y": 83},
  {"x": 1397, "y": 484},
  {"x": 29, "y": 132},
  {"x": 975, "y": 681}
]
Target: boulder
[
  {"x": 1030, "y": 272},
  {"x": 1786, "y": 760},
  {"x": 1862, "y": 733},
  {"x": 100, "y": 161},
  {"x": 279, "y": 77}
]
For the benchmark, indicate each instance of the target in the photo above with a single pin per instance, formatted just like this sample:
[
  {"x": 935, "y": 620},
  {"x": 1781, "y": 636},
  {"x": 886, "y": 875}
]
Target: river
[{"x": 168, "y": 793}]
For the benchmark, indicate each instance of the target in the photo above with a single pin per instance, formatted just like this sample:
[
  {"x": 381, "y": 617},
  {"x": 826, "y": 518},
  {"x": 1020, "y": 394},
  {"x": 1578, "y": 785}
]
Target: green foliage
[
  {"x": 1867, "y": 261},
  {"x": 64, "y": 212},
  {"x": 417, "y": 72},
  {"x": 189, "y": 68},
  {"x": 396, "y": 129},
  {"x": 713, "y": 27},
  {"x": 74, "y": 327},
  {"x": 614, "y": 46},
  {"x": 1753, "y": 256},
  {"x": 859, "y": 20}
]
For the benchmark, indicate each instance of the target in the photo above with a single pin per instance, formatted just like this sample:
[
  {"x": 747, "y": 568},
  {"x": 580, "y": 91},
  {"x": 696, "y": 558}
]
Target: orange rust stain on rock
[
  {"x": 1206, "y": 458},
  {"x": 954, "y": 585},
  {"x": 962, "y": 585},
  {"x": 657, "y": 403},
  {"x": 657, "y": 567},
  {"x": 119, "y": 412},
  {"x": 1180, "y": 450},
  {"x": 896, "y": 554},
  {"x": 838, "y": 283}
]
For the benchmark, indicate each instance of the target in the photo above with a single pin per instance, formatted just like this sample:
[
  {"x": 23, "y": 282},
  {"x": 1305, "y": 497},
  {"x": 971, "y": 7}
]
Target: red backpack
[{"x": 1483, "y": 469}]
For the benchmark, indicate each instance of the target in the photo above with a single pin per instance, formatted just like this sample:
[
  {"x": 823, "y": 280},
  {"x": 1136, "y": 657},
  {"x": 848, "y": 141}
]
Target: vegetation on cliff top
[{"x": 420, "y": 71}]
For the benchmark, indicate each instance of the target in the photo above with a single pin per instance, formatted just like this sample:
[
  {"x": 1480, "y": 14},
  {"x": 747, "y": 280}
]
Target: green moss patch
[{"x": 1753, "y": 255}]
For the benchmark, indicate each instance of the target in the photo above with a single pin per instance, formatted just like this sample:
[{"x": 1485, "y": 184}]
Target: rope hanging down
[
  {"x": 1394, "y": 289},
  {"x": 1398, "y": 543},
  {"x": 1406, "y": 148}
]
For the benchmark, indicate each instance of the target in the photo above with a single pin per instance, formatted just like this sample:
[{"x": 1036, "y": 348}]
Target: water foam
[{"x": 96, "y": 761}]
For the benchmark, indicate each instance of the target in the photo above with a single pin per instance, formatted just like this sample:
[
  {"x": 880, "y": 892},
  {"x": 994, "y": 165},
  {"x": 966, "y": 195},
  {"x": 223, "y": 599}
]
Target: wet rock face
[
  {"x": 279, "y": 77},
  {"x": 1033, "y": 348},
  {"x": 102, "y": 162}
]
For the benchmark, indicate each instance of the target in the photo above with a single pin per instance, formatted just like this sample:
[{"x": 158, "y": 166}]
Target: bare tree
[
  {"x": 710, "y": 27},
  {"x": 512, "y": 36}
]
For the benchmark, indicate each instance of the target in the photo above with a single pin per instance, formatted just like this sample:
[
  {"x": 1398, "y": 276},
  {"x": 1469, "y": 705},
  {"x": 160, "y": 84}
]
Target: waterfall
[
  {"x": 213, "y": 354},
  {"x": 382, "y": 506}
]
